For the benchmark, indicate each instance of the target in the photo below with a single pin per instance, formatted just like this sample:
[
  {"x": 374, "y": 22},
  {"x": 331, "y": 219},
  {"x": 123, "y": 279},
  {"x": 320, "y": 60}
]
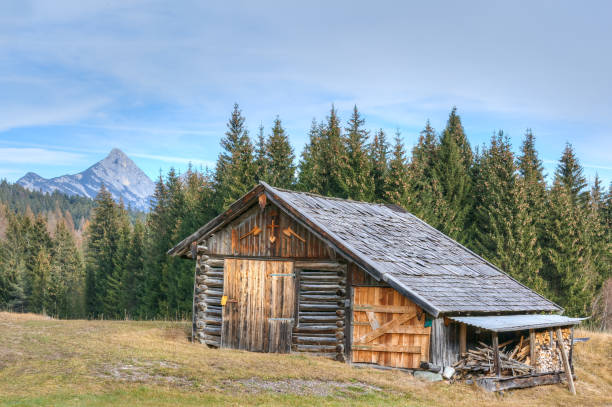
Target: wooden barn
[{"x": 284, "y": 271}]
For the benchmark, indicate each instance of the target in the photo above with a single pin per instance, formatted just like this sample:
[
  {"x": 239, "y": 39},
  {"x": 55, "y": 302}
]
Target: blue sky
[{"x": 158, "y": 79}]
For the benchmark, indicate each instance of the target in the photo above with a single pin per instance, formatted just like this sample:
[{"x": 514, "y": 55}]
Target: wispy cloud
[
  {"x": 39, "y": 156},
  {"x": 175, "y": 160}
]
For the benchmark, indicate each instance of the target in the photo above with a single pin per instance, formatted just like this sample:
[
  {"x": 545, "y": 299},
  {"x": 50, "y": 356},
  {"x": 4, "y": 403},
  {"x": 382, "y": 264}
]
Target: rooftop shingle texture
[{"x": 429, "y": 264}]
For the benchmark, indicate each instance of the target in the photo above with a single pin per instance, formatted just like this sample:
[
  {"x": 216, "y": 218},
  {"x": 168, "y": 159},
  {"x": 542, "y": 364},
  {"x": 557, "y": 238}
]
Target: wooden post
[
  {"x": 532, "y": 347},
  {"x": 462, "y": 339},
  {"x": 551, "y": 342},
  {"x": 496, "y": 361},
  {"x": 571, "y": 352},
  {"x": 566, "y": 365}
]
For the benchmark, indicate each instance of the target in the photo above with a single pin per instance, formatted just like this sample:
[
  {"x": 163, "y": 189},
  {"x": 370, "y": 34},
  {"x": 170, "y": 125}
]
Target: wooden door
[
  {"x": 259, "y": 309},
  {"x": 387, "y": 330}
]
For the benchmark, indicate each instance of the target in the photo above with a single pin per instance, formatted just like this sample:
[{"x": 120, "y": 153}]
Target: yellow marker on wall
[{"x": 223, "y": 300}]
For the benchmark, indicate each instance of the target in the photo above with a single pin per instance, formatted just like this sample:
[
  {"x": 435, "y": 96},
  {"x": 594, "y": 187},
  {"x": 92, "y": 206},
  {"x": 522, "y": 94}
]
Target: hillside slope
[{"x": 101, "y": 363}]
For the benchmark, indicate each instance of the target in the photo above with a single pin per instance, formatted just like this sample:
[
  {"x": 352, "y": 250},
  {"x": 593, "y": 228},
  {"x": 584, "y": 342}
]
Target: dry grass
[{"x": 97, "y": 363}]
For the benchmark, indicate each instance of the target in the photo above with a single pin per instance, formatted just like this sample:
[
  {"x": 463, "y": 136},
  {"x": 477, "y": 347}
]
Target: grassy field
[{"x": 46, "y": 362}]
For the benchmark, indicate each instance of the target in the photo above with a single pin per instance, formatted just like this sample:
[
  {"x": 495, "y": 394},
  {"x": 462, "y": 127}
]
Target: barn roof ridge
[{"x": 439, "y": 273}]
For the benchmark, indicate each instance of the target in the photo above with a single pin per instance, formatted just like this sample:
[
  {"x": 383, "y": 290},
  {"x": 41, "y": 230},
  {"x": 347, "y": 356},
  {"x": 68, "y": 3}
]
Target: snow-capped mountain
[{"x": 119, "y": 174}]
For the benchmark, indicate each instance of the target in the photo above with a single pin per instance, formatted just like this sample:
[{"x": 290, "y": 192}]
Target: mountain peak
[{"x": 119, "y": 174}]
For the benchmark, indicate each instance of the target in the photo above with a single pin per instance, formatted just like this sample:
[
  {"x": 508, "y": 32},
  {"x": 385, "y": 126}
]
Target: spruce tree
[
  {"x": 235, "y": 174},
  {"x": 261, "y": 160},
  {"x": 453, "y": 172},
  {"x": 569, "y": 173},
  {"x": 133, "y": 274},
  {"x": 102, "y": 240},
  {"x": 358, "y": 180},
  {"x": 503, "y": 229},
  {"x": 531, "y": 173},
  {"x": 566, "y": 267},
  {"x": 309, "y": 166},
  {"x": 379, "y": 151},
  {"x": 332, "y": 161},
  {"x": 423, "y": 187},
  {"x": 280, "y": 158},
  {"x": 324, "y": 160},
  {"x": 67, "y": 274},
  {"x": 396, "y": 183}
]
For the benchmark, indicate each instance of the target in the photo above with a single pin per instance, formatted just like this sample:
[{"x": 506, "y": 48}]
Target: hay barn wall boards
[{"x": 284, "y": 271}]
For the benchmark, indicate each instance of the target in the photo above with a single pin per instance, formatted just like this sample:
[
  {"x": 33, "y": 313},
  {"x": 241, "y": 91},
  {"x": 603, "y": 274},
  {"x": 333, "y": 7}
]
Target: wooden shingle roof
[{"x": 430, "y": 268}]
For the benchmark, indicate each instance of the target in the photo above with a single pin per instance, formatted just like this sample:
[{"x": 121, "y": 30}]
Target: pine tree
[
  {"x": 396, "y": 183},
  {"x": 379, "y": 151},
  {"x": 358, "y": 179},
  {"x": 235, "y": 174},
  {"x": 453, "y": 171},
  {"x": 280, "y": 158}
]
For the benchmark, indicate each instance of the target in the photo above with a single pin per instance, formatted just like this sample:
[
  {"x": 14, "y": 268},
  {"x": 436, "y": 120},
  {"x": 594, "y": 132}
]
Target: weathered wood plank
[
  {"x": 384, "y": 327},
  {"x": 388, "y": 348},
  {"x": 383, "y": 308}
]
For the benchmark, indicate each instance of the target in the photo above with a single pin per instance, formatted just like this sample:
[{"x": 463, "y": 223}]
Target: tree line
[{"x": 554, "y": 238}]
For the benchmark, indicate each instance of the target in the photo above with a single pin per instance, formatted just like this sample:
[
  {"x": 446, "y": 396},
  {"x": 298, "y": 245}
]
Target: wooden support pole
[
  {"x": 550, "y": 338},
  {"x": 532, "y": 348},
  {"x": 496, "y": 360},
  {"x": 571, "y": 352},
  {"x": 462, "y": 339},
  {"x": 566, "y": 365}
]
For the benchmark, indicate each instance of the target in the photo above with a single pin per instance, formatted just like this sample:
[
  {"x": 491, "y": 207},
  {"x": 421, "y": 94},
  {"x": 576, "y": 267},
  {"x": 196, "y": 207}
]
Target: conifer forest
[{"x": 74, "y": 258}]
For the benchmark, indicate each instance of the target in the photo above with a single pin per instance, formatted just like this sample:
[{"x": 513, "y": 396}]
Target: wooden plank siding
[
  {"x": 401, "y": 340},
  {"x": 272, "y": 222},
  {"x": 445, "y": 342}
]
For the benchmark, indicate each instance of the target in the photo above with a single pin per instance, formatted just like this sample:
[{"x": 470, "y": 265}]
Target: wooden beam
[
  {"x": 566, "y": 365},
  {"x": 384, "y": 327},
  {"x": 462, "y": 339},
  {"x": 532, "y": 348},
  {"x": 384, "y": 308},
  {"x": 518, "y": 382},
  {"x": 496, "y": 360},
  {"x": 319, "y": 265},
  {"x": 387, "y": 348}
]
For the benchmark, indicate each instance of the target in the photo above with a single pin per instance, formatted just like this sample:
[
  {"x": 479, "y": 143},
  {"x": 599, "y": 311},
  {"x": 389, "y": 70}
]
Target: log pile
[
  {"x": 321, "y": 314},
  {"x": 480, "y": 361},
  {"x": 515, "y": 357}
]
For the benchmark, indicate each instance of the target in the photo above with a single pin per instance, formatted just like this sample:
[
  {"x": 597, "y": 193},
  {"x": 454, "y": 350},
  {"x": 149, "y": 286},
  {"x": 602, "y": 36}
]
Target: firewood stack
[
  {"x": 480, "y": 361},
  {"x": 514, "y": 355},
  {"x": 548, "y": 355}
]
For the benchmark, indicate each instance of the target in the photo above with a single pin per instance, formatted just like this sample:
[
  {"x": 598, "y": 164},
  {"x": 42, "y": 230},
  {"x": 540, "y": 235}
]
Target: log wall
[
  {"x": 207, "y": 299},
  {"x": 320, "y": 327}
]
